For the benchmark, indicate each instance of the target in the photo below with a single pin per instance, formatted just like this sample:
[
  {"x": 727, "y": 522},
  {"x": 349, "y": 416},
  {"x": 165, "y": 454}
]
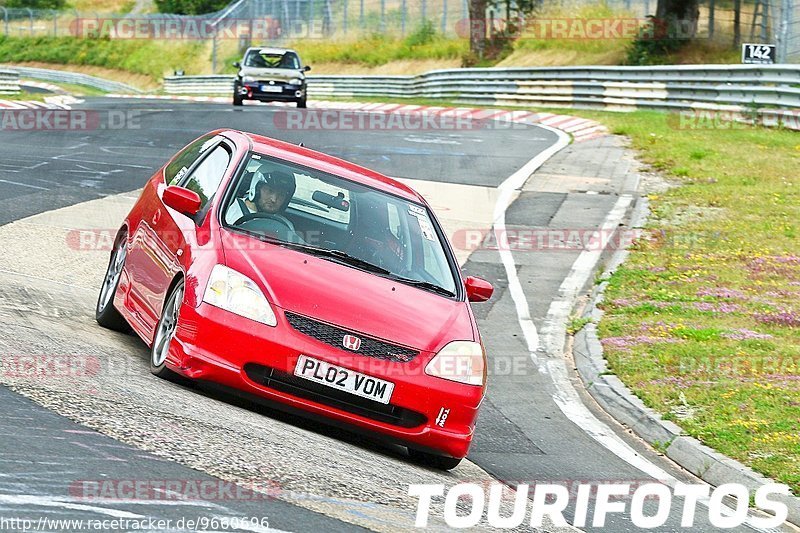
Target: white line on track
[
  {"x": 554, "y": 330},
  {"x": 47, "y": 501},
  {"x": 24, "y": 185},
  {"x": 507, "y": 190}
]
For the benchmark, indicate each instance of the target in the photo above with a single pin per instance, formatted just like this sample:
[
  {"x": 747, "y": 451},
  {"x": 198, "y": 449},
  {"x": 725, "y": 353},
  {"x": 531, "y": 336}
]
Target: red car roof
[{"x": 328, "y": 163}]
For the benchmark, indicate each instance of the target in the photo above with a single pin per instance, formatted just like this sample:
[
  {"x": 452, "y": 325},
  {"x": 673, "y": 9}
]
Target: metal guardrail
[
  {"x": 199, "y": 85},
  {"x": 9, "y": 82},
  {"x": 56, "y": 76},
  {"x": 659, "y": 87}
]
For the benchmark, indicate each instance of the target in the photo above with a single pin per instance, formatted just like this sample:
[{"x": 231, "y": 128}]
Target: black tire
[
  {"x": 237, "y": 99},
  {"x": 302, "y": 103},
  {"x": 105, "y": 312},
  {"x": 440, "y": 462},
  {"x": 165, "y": 332}
]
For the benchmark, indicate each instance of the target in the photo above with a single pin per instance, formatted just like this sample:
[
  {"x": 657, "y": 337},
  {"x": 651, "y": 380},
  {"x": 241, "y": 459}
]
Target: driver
[{"x": 269, "y": 193}]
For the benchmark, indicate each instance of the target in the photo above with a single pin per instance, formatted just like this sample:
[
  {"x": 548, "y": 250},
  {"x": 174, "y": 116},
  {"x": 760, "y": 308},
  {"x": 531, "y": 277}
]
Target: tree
[
  {"x": 477, "y": 28},
  {"x": 678, "y": 17}
]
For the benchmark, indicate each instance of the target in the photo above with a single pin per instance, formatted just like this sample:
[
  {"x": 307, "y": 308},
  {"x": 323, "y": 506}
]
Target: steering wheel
[
  {"x": 254, "y": 216},
  {"x": 379, "y": 253},
  {"x": 275, "y": 225}
]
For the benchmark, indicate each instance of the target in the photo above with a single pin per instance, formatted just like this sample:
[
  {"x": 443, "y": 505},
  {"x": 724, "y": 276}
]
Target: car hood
[
  {"x": 349, "y": 298},
  {"x": 276, "y": 74}
]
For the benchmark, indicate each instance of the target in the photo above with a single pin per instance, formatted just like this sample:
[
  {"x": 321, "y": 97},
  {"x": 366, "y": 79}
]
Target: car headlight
[
  {"x": 248, "y": 79},
  {"x": 461, "y": 361},
  {"x": 296, "y": 81},
  {"x": 235, "y": 292}
]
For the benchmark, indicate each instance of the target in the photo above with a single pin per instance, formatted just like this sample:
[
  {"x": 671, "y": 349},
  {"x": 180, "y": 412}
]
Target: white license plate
[
  {"x": 271, "y": 88},
  {"x": 340, "y": 378}
]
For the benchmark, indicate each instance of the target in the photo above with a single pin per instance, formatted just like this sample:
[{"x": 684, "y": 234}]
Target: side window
[
  {"x": 291, "y": 60},
  {"x": 205, "y": 179},
  {"x": 179, "y": 166}
]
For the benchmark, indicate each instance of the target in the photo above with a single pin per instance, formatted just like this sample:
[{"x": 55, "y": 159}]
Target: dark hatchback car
[{"x": 270, "y": 75}]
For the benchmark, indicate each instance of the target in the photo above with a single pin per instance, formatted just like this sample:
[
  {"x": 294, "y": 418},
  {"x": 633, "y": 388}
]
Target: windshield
[
  {"x": 264, "y": 59},
  {"x": 332, "y": 217}
]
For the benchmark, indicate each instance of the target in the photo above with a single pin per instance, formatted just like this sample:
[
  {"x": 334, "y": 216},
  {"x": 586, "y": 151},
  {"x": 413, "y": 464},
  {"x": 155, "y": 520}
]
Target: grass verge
[
  {"x": 703, "y": 320},
  {"x": 24, "y": 95},
  {"x": 140, "y": 56},
  {"x": 81, "y": 90}
]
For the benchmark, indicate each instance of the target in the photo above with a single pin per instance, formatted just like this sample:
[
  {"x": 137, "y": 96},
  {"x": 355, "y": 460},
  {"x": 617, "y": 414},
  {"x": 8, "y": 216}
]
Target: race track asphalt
[{"x": 523, "y": 435}]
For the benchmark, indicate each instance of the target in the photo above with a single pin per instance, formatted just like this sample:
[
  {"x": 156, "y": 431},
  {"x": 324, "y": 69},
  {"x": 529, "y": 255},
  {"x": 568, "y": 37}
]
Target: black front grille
[
  {"x": 334, "y": 336},
  {"x": 303, "y": 388}
]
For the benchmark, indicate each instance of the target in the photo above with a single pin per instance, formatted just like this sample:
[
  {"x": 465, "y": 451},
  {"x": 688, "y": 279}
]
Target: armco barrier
[
  {"x": 56, "y": 76},
  {"x": 9, "y": 82},
  {"x": 199, "y": 85},
  {"x": 730, "y": 87}
]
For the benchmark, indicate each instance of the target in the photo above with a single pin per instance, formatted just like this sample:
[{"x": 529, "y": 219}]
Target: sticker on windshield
[
  {"x": 427, "y": 228},
  {"x": 181, "y": 173},
  {"x": 424, "y": 222}
]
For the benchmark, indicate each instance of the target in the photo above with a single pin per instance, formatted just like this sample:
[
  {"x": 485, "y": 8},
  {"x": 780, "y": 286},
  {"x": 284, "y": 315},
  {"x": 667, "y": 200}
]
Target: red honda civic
[{"x": 306, "y": 280}]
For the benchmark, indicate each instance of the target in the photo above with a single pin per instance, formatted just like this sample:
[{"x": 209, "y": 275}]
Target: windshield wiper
[
  {"x": 339, "y": 256},
  {"x": 347, "y": 259},
  {"x": 424, "y": 285}
]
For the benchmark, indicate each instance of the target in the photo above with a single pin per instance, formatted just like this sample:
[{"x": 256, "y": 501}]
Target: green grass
[
  {"x": 376, "y": 49},
  {"x": 728, "y": 262},
  {"x": 37, "y": 97},
  {"x": 140, "y": 56},
  {"x": 719, "y": 255},
  {"x": 576, "y": 324},
  {"x": 81, "y": 90}
]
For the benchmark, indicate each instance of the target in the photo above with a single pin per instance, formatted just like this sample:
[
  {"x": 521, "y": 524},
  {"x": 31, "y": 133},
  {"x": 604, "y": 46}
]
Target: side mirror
[
  {"x": 182, "y": 200},
  {"x": 237, "y": 64},
  {"x": 478, "y": 290},
  {"x": 307, "y": 68}
]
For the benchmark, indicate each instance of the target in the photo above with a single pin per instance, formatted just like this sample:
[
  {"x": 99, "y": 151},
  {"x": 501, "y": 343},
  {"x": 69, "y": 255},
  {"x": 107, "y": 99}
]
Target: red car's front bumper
[{"x": 216, "y": 345}]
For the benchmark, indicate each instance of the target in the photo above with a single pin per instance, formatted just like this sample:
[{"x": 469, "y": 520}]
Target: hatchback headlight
[
  {"x": 248, "y": 79},
  {"x": 461, "y": 361},
  {"x": 296, "y": 81},
  {"x": 235, "y": 292}
]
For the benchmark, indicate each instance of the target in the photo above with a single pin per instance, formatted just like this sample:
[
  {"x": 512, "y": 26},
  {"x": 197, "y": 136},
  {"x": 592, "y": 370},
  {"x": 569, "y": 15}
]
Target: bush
[
  {"x": 424, "y": 34},
  {"x": 35, "y": 4},
  {"x": 190, "y": 7},
  {"x": 654, "y": 44}
]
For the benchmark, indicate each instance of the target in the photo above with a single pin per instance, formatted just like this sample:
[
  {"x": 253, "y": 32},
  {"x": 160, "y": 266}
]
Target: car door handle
[{"x": 156, "y": 217}]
